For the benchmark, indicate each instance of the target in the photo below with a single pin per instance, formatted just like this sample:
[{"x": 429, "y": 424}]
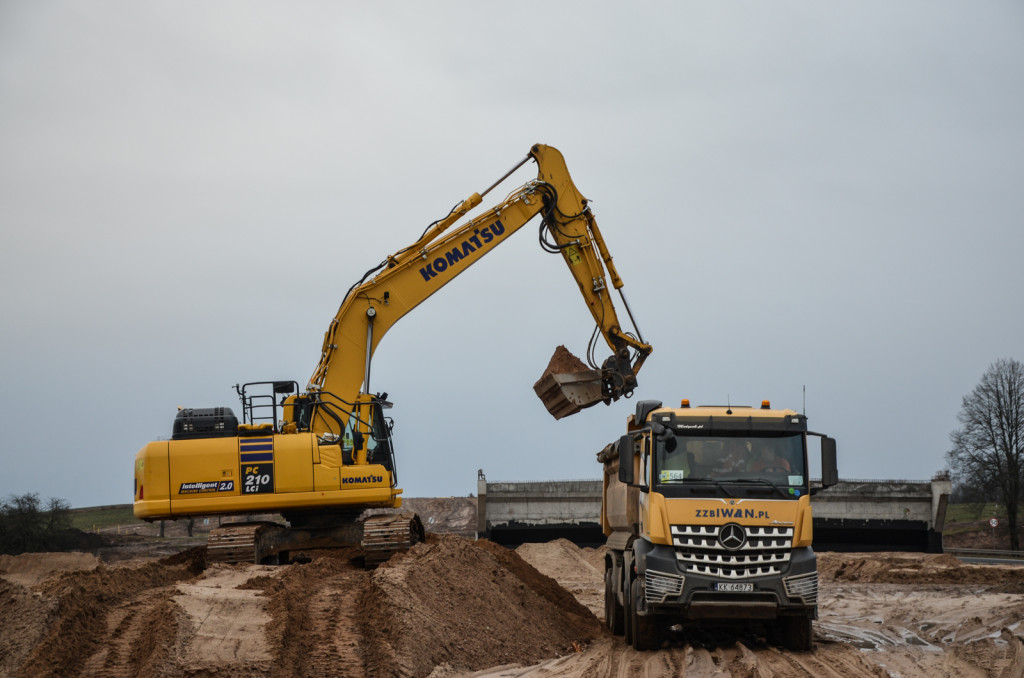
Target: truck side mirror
[
  {"x": 626, "y": 459},
  {"x": 829, "y": 468}
]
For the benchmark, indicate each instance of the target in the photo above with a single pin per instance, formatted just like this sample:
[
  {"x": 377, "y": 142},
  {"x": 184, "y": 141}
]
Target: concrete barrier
[
  {"x": 512, "y": 513},
  {"x": 854, "y": 515}
]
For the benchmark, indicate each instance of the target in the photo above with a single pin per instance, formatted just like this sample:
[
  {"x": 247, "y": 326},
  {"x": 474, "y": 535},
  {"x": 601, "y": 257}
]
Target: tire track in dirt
[
  {"x": 823, "y": 662},
  {"x": 142, "y": 634},
  {"x": 332, "y": 633},
  {"x": 336, "y": 639},
  {"x": 315, "y": 611},
  {"x": 671, "y": 662},
  {"x": 84, "y": 600}
]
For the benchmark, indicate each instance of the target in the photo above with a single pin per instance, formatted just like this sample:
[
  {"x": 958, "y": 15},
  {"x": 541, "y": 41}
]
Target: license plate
[{"x": 734, "y": 587}]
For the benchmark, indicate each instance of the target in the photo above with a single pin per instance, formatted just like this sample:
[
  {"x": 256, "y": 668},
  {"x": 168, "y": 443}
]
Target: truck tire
[
  {"x": 645, "y": 629},
  {"x": 627, "y": 616},
  {"x": 614, "y": 615},
  {"x": 797, "y": 633}
]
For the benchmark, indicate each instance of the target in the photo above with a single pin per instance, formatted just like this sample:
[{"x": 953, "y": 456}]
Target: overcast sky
[{"x": 797, "y": 195}]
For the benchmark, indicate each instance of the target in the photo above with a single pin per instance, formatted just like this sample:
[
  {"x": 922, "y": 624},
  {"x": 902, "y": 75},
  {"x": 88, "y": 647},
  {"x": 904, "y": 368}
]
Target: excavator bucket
[
  {"x": 566, "y": 393},
  {"x": 568, "y": 386}
]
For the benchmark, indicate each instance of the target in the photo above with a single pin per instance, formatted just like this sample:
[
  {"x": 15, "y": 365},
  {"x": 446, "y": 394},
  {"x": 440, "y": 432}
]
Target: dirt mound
[
  {"x": 563, "y": 560},
  {"x": 562, "y": 360},
  {"x": 77, "y": 605},
  {"x": 580, "y": 571},
  {"x": 443, "y": 515},
  {"x": 23, "y": 617},
  {"x": 449, "y": 602},
  {"x": 914, "y": 568},
  {"x": 29, "y": 569},
  {"x": 467, "y": 605},
  {"x": 316, "y": 619}
]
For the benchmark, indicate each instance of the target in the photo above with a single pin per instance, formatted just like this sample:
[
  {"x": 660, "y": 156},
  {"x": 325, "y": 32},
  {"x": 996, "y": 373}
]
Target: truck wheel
[
  {"x": 627, "y": 615},
  {"x": 645, "y": 629},
  {"x": 797, "y": 633},
  {"x": 613, "y": 612}
]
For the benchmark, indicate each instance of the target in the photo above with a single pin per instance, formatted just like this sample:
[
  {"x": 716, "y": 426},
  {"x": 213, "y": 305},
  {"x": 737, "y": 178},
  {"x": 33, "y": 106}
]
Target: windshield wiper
[
  {"x": 763, "y": 481},
  {"x": 714, "y": 482}
]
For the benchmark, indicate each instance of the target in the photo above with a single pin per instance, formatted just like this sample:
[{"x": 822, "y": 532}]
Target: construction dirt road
[{"x": 457, "y": 607}]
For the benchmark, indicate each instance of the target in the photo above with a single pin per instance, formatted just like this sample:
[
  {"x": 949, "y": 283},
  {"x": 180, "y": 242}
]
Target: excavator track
[
  {"x": 387, "y": 534},
  {"x": 381, "y": 537},
  {"x": 234, "y": 543}
]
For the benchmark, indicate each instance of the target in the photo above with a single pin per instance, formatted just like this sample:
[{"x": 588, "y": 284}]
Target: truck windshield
[{"x": 778, "y": 459}]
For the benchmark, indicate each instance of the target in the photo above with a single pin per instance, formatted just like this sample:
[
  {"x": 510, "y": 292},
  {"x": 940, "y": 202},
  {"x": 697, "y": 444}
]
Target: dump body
[{"x": 708, "y": 521}]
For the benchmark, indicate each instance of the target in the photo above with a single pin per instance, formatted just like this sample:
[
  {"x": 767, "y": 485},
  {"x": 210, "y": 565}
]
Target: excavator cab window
[
  {"x": 368, "y": 420},
  {"x": 379, "y": 433},
  {"x": 383, "y": 453},
  {"x": 302, "y": 413},
  {"x": 355, "y": 438}
]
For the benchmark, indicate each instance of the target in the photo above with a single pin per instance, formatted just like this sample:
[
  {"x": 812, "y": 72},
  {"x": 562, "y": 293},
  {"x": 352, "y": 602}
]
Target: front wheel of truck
[
  {"x": 645, "y": 630},
  {"x": 797, "y": 633}
]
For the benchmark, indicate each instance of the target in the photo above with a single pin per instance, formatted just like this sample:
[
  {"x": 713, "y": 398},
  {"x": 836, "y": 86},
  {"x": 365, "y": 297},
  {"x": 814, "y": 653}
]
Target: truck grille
[
  {"x": 732, "y": 551},
  {"x": 803, "y": 586},
  {"x": 660, "y": 585}
]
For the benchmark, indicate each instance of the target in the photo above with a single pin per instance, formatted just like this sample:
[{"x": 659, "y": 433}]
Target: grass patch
[
  {"x": 88, "y": 519},
  {"x": 973, "y": 518},
  {"x": 969, "y": 513}
]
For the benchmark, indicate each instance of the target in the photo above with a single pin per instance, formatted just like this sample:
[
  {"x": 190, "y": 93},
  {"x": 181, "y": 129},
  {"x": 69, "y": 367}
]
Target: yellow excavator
[{"x": 322, "y": 456}]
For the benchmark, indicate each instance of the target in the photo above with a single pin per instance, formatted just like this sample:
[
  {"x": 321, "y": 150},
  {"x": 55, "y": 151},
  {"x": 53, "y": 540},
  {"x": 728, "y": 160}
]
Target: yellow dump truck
[{"x": 708, "y": 521}]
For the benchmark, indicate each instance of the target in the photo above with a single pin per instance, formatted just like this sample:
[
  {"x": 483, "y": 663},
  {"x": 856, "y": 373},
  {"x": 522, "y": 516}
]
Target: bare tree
[
  {"x": 988, "y": 448},
  {"x": 26, "y": 526}
]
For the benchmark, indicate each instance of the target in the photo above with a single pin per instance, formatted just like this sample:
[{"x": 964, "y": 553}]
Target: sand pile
[
  {"x": 564, "y": 560},
  {"x": 468, "y": 605},
  {"x": 449, "y": 602}
]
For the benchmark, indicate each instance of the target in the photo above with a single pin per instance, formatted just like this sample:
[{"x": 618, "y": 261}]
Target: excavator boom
[{"x": 405, "y": 279}]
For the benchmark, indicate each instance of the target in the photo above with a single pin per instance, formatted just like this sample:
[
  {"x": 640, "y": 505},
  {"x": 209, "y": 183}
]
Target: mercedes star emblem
[{"x": 732, "y": 536}]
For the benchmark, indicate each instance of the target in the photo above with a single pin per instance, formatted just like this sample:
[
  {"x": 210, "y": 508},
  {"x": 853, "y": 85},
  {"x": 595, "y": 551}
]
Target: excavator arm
[{"x": 405, "y": 279}]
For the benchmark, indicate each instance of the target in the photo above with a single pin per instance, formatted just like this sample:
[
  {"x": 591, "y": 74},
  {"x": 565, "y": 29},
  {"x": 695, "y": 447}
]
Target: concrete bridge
[
  {"x": 512, "y": 513},
  {"x": 854, "y": 515},
  {"x": 882, "y": 515}
]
